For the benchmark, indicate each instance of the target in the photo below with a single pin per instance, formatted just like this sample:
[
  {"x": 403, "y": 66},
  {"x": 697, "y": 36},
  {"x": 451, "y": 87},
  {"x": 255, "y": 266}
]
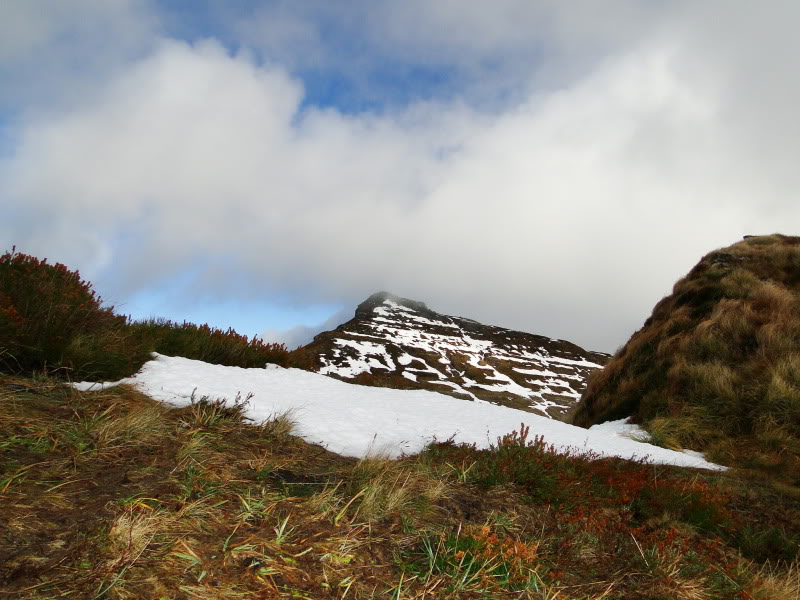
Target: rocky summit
[{"x": 396, "y": 342}]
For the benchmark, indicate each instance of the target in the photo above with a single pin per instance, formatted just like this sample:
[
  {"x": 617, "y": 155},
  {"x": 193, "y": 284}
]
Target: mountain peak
[
  {"x": 379, "y": 298},
  {"x": 398, "y": 342}
]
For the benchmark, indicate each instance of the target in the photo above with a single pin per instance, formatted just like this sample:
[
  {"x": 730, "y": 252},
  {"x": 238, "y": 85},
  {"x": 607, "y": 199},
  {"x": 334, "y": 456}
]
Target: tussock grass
[
  {"x": 192, "y": 450},
  {"x": 664, "y": 576},
  {"x": 694, "y": 427},
  {"x": 280, "y": 426},
  {"x": 778, "y": 584},
  {"x": 208, "y": 412},
  {"x": 717, "y": 365},
  {"x": 140, "y": 425},
  {"x": 383, "y": 487}
]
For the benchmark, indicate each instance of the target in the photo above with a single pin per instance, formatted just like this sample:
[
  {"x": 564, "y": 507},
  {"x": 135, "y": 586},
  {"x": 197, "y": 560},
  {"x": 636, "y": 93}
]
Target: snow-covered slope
[
  {"x": 355, "y": 420},
  {"x": 396, "y": 342}
]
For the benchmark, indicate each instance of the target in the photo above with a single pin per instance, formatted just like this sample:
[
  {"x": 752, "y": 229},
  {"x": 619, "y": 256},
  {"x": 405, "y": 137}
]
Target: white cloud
[
  {"x": 50, "y": 51},
  {"x": 301, "y": 335},
  {"x": 568, "y": 213}
]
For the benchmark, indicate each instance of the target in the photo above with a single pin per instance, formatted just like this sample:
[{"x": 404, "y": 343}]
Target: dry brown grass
[
  {"x": 204, "y": 505},
  {"x": 142, "y": 424},
  {"x": 131, "y": 533},
  {"x": 380, "y": 486},
  {"x": 778, "y": 584}
]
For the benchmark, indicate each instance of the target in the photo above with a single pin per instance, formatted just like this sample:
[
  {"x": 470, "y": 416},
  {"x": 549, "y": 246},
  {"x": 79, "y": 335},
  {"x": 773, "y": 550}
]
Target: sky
[{"x": 547, "y": 166}]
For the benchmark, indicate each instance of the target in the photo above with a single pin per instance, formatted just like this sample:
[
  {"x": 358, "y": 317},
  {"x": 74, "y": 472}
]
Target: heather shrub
[
  {"x": 584, "y": 484},
  {"x": 49, "y": 317},
  {"x": 477, "y": 560},
  {"x": 304, "y": 358},
  {"x": 105, "y": 354},
  {"x": 514, "y": 459},
  {"x": 209, "y": 344},
  {"x": 528, "y": 463},
  {"x": 691, "y": 502}
]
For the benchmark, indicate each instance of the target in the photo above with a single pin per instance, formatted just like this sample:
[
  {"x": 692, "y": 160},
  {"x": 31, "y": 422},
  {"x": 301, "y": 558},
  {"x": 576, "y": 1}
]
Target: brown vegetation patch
[
  {"x": 112, "y": 495},
  {"x": 717, "y": 365}
]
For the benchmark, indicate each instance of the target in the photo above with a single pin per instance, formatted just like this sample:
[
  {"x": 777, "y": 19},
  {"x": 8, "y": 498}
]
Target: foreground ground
[{"x": 111, "y": 495}]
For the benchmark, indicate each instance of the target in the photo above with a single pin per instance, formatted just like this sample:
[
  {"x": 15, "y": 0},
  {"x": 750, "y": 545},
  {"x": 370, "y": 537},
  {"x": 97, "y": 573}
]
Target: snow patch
[
  {"x": 356, "y": 420},
  {"x": 369, "y": 352}
]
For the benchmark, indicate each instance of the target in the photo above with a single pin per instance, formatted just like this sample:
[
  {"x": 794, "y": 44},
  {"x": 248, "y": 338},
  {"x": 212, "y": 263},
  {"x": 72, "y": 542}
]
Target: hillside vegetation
[
  {"x": 110, "y": 494},
  {"x": 717, "y": 365},
  {"x": 52, "y": 320}
]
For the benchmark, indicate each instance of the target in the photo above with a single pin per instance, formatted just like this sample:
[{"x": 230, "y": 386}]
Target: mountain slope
[
  {"x": 396, "y": 342},
  {"x": 717, "y": 365}
]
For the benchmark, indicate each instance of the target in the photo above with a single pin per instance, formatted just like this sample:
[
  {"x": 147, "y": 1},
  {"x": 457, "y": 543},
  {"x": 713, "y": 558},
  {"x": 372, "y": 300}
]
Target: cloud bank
[{"x": 560, "y": 193}]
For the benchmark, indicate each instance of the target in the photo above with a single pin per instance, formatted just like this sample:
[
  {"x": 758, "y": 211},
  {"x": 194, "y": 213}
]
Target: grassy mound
[
  {"x": 717, "y": 365},
  {"x": 111, "y": 495}
]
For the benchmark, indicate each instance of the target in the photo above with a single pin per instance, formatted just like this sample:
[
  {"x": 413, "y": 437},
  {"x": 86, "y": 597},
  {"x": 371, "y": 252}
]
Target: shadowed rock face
[{"x": 396, "y": 342}]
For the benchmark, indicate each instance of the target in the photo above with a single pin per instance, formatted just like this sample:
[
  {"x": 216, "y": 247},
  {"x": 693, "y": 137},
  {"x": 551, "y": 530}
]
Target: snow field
[{"x": 357, "y": 420}]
